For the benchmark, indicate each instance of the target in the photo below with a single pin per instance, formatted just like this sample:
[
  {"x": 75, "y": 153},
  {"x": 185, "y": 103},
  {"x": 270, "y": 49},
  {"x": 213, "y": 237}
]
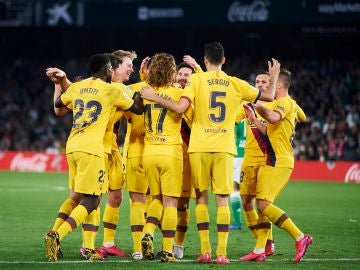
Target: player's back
[
  {"x": 162, "y": 126},
  {"x": 91, "y": 101},
  {"x": 216, "y": 98}
]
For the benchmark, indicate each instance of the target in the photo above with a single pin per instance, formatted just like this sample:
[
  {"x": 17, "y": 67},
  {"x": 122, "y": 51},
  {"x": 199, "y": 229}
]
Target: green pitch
[{"x": 327, "y": 211}]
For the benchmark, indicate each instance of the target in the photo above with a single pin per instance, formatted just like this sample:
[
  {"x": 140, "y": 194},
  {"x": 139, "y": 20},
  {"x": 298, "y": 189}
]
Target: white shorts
[{"x": 237, "y": 169}]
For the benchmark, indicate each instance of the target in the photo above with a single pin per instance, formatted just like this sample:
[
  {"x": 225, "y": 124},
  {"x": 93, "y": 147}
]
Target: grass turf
[{"x": 327, "y": 211}]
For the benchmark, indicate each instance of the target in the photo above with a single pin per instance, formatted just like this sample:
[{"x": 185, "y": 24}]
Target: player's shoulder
[{"x": 137, "y": 86}]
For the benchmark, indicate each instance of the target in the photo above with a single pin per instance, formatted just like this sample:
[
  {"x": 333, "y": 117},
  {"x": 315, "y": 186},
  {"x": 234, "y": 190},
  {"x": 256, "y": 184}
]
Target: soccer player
[
  {"x": 184, "y": 71},
  {"x": 136, "y": 183},
  {"x": 216, "y": 97},
  {"x": 122, "y": 65},
  {"x": 254, "y": 157},
  {"x": 162, "y": 157},
  {"x": 91, "y": 101},
  {"x": 273, "y": 177},
  {"x": 235, "y": 201},
  {"x": 116, "y": 178}
]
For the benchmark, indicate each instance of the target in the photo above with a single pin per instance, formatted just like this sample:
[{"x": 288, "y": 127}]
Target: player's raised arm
[
  {"x": 58, "y": 77},
  {"x": 274, "y": 70}
]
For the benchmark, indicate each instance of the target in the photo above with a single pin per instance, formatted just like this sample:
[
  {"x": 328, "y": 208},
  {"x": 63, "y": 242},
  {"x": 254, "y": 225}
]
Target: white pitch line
[{"x": 181, "y": 261}]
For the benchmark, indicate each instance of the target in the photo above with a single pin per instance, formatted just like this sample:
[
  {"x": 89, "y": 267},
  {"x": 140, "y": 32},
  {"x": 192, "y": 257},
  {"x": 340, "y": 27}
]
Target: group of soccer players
[{"x": 180, "y": 138}]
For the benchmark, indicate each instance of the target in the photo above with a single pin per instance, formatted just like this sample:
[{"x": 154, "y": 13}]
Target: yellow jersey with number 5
[{"x": 216, "y": 97}]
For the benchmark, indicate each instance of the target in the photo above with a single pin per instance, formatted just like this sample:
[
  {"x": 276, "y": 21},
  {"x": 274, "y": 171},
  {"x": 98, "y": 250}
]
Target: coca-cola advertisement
[
  {"x": 257, "y": 11},
  {"x": 33, "y": 162},
  {"x": 336, "y": 171}
]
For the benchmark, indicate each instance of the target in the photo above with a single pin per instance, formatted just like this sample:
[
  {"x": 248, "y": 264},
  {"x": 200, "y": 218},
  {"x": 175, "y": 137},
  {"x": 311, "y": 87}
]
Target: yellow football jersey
[
  {"x": 135, "y": 129},
  {"x": 91, "y": 101},
  {"x": 216, "y": 97},
  {"x": 281, "y": 133},
  {"x": 255, "y": 142},
  {"x": 162, "y": 126},
  {"x": 110, "y": 139}
]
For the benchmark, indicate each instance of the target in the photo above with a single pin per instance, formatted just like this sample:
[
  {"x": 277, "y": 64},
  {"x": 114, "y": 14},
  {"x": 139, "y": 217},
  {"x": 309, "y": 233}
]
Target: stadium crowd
[{"x": 327, "y": 90}]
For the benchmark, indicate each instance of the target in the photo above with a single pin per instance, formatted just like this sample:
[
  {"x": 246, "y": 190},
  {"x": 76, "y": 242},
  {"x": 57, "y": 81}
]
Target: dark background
[{"x": 321, "y": 52}]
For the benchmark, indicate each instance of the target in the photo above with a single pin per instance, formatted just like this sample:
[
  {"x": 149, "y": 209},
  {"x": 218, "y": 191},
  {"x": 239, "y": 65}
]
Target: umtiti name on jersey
[{"x": 93, "y": 91}]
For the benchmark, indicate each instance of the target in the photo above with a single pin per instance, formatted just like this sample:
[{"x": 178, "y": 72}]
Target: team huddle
[{"x": 180, "y": 143}]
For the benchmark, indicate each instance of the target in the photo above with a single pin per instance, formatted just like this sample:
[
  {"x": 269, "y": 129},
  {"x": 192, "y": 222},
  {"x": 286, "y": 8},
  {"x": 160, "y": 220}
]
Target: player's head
[
  {"x": 214, "y": 53},
  {"x": 162, "y": 70},
  {"x": 284, "y": 79},
  {"x": 114, "y": 60},
  {"x": 100, "y": 67},
  {"x": 262, "y": 80},
  {"x": 184, "y": 71},
  {"x": 125, "y": 69}
]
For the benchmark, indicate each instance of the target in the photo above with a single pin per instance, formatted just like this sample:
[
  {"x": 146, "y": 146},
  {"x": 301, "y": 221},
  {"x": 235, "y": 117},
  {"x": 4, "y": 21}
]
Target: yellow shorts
[
  {"x": 164, "y": 175},
  {"x": 188, "y": 190},
  {"x": 248, "y": 180},
  {"x": 135, "y": 176},
  {"x": 115, "y": 170},
  {"x": 86, "y": 173},
  {"x": 271, "y": 182},
  {"x": 215, "y": 169}
]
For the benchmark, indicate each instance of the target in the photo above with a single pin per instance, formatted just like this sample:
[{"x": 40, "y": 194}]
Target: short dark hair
[
  {"x": 98, "y": 62},
  {"x": 262, "y": 71},
  {"x": 214, "y": 52},
  {"x": 114, "y": 60},
  {"x": 184, "y": 65},
  {"x": 285, "y": 77}
]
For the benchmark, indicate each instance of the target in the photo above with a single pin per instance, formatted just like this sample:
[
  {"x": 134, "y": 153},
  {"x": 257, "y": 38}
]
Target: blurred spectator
[{"x": 327, "y": 90}]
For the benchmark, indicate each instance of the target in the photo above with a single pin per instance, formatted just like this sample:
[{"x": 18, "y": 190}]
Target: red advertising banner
[
  {"x": 33, "y": 162},
  {"x": 338, "y": 171}
]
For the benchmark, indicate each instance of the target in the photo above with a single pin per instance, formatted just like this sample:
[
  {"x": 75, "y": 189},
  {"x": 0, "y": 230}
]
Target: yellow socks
[
  {"x": 251, "y": 219},
  {"x": 223, "y": 221},
  {"x": 76, "y": 217},
  {"x": 202, "y": 221},
  {"x": 183, "y": 218},
  {"x": 110, "y": 221},
  {"x": 90, "y": 228},
  {"x": 262, "y": 232},
  {"x": 282, "y": 220},
  {"x": 64, "y": 212},
  {"x": 168, "y": 227},
  {"x": 137, "y": 222},
  {"x": 154, "y": 213}
]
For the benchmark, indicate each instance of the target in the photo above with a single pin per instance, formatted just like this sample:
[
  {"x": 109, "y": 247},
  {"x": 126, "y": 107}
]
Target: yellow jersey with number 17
[
  {"x": 91, "y": 101},
  {"x": 216, "y": 97},
  {"x": 162, "y": 126}
]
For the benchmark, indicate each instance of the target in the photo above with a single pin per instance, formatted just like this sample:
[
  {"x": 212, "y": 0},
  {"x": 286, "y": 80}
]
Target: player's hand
[
  {"x": 144, "y": 65},
  {"x": 55, "y": 74},
  {"x": 190, "y": 61},
  {"x": 147, "y": 92},
  {"x": 250, "y": 114},
  {"x": 274, "y": 67}
]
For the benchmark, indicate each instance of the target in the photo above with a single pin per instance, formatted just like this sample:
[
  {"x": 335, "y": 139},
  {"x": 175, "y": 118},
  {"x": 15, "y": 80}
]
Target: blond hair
[{"x": 121, "y": 54}]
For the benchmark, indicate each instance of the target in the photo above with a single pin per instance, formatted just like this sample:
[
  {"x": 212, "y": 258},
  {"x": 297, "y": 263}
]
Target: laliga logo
[
  {"x": 36, "y": 163},
  {"x": 353, "y": 174},
  {"x": 255, "y": 12}
]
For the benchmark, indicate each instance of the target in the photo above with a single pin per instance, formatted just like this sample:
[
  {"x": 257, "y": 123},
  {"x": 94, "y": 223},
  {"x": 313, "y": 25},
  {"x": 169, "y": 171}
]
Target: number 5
[{"x": 214, "y": 104}]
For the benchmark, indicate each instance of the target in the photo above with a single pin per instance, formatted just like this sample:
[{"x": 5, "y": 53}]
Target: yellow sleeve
[
  {"x": 300, "y": 115},
  {"x": 143, "y": 76},
  {"x": 198, "y": 69}
]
